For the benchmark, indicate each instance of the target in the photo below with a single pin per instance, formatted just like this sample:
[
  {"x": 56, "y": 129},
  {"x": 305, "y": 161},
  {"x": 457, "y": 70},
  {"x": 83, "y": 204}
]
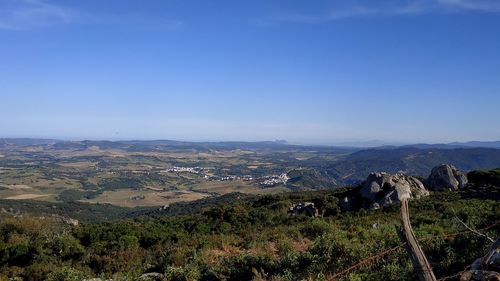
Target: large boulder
[
  {"x": 382, "y": 189},
  {"x": 446, "y": 177}
]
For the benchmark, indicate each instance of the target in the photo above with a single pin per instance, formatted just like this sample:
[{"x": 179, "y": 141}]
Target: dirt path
[{"x": 418, "y": 258}]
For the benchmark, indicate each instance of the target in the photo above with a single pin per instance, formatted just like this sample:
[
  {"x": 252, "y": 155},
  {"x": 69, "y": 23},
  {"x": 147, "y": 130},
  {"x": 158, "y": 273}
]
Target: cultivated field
[{"x": 135, "y": 177}]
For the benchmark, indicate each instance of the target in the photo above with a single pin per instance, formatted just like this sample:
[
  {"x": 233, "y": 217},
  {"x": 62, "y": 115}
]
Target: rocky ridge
[{"x": 383, "y": 189}]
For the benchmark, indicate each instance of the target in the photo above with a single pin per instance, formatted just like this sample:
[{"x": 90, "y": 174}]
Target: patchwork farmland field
[{"x": 136, "y": 175}]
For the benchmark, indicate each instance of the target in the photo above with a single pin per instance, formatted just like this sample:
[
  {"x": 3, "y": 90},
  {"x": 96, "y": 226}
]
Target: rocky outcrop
[
  {"x": 382, "y": 189},
  {"x": 446, "y": 177}
]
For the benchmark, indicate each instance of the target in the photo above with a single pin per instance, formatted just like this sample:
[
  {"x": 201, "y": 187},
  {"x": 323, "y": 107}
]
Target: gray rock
[
  {"x": 479, "y": 275},
  {"x": 485, "y": 268},
  {"x": 476, "y": 265},
  {"x": 151, "y": 276},
  {"x": 446, "y": 177},
  {"x": 385, "y": 189},
  {"x": 493, "y": 262}
]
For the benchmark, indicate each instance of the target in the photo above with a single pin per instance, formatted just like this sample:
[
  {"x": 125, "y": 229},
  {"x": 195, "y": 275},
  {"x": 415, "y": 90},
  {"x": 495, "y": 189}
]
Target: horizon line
[{"x": 340, "y": 143}]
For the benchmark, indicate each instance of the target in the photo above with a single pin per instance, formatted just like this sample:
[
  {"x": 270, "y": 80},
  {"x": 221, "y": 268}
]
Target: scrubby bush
[
  {"x": 65, "y": 274},
  {"x": 250, "y": 240}
]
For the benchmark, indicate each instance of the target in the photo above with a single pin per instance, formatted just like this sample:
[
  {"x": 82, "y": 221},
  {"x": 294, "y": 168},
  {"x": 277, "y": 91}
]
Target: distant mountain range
[
  {"x": 492, "y": 144},
  {"x": 26, "y": 141},
  {"x": 470, "y": 144},
  {"x": 241, "y": 144},
  {"x": 325, "y": 166},
  {"x": 163, "y": 145}
]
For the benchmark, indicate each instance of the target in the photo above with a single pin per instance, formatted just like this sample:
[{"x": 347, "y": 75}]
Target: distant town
[{"x": 265, "y": 181}]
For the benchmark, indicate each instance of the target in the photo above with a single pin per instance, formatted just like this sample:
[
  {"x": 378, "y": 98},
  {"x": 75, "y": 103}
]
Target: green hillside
[
  {"x": 413, "y": 161},
  {"x": 301, "y": 179},
  {"x": 250, "y": 238}
]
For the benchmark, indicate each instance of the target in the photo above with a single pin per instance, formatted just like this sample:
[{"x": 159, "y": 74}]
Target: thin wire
[{"x": 387, "y": 251}]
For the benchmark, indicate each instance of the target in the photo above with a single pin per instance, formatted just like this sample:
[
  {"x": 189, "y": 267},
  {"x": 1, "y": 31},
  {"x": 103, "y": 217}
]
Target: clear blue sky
[{"x": 308, "y": 71}]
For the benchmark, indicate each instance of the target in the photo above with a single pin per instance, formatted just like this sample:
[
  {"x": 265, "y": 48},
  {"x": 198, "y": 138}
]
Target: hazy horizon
[
  {"x": 340, "y": 143},
  {"x": 413, "y": 71}
]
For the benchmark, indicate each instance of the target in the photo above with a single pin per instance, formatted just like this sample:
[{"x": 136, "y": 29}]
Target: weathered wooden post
[{"x": 420, "y": 263}]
